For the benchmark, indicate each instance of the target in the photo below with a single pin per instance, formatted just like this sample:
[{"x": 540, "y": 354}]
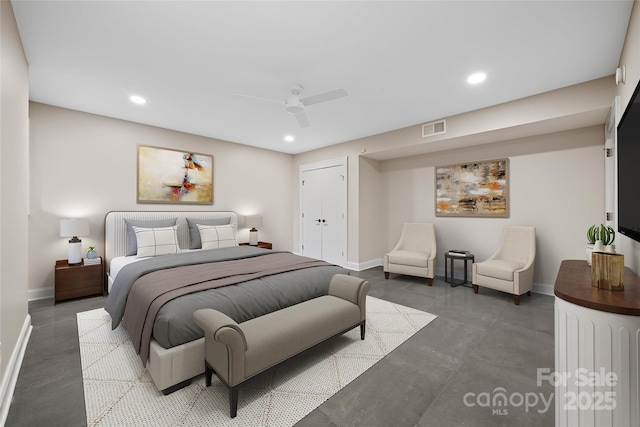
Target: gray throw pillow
[
  {"x": 132, "y": 242},
  {"x": 194, "y": 233}
]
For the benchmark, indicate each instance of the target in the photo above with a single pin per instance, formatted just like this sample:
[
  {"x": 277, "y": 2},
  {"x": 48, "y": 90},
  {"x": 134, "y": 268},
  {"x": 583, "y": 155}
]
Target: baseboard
[
  {"x": 359, "y": 266},
  {"x": 363, "y": 265},
  {"x": 543, "y": 289},
  {"x": 10, "y": 377},
  {"x": 40, "y": 293},
  {"x": 439, "y": 272}
]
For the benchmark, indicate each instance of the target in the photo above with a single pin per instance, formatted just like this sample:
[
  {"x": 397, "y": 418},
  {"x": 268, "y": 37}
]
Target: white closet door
[
  {"x": 323, "y": 205},
  {"x": 312, "y": 213},
  {"x": 333, "y": 215}
]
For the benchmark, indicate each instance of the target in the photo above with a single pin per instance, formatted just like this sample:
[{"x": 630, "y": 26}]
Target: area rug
[{"x": 119, "y": 391}]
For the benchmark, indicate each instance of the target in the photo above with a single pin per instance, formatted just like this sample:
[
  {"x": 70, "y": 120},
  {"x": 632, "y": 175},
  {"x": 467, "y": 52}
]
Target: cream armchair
[
  {"x": 415, "y": 252},
  {"x": 510, "y": 268}
]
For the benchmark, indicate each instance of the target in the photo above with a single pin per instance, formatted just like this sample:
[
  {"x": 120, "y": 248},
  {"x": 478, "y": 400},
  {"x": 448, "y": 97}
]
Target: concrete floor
[{"x": 448, "y": 374}]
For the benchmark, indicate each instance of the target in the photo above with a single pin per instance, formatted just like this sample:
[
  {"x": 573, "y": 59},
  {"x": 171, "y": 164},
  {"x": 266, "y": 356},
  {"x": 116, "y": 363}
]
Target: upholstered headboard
[{"x": 115, "y": 230}]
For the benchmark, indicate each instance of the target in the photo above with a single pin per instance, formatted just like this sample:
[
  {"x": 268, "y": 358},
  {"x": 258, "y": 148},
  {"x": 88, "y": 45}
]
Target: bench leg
[
  {"x": 233, "y": 391},
  {"x": 208, "y": 373},
  {"x": 233, "y": 401},
  {"x": 362, "y": 329},
  {"x": 386, "y": 274},
  {"x": 176, "y": 387}
]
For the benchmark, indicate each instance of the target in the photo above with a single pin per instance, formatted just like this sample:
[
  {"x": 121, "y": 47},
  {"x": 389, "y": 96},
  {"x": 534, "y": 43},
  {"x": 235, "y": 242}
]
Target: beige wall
[
  {"x": 630, "y": 58},
  {"x": 14, "y": 193},
  {"x": 556, "y": 185},
  {"x": 388, "y": 187},
  {"x": 84, "y": 165},
  {"x": 373, "y": 212}
]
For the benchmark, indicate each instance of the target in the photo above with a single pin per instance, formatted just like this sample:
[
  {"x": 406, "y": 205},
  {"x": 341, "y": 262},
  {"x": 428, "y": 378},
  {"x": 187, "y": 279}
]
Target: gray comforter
[{"x": 243, "y": 301}]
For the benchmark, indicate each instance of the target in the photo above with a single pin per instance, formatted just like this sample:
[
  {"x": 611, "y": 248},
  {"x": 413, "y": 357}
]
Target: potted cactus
[{"x": 600, "y": 239}]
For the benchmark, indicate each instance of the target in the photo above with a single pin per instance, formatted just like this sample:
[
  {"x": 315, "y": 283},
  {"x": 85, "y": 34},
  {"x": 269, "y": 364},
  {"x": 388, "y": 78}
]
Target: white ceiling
[{"x": 402, "y": 63}]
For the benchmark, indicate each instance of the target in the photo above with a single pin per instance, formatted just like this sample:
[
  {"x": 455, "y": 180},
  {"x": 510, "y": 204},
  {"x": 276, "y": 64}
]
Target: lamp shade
[
  {"x": 253, "y": 221},
  {"x": 74, "y": 227}
]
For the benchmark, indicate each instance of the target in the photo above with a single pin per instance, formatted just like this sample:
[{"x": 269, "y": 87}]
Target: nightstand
[
  {"x": 263, "y": 245},
  {"x": 75, "y": 281}
]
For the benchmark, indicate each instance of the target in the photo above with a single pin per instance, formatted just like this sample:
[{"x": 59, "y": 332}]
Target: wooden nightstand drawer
[
  {"x": 75, "y": 281},
  {"x": 263, "y": 245}
]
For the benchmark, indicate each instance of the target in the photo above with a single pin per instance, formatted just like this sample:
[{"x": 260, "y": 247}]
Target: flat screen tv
[{"x": 629, "y": 169}]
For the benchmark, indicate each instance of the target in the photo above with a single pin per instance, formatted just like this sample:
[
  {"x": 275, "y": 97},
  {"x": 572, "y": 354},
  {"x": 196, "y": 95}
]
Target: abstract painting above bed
[{"x": 173, "y": 176}]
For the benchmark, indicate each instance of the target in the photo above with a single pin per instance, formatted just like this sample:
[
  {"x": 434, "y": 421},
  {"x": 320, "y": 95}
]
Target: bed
[{"x": 153, "y": 292}]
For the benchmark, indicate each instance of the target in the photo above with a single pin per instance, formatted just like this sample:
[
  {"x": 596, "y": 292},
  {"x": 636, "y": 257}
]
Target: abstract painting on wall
[
  {"x": 173, "y": 176},
  {"x": 473, "y": 189}
]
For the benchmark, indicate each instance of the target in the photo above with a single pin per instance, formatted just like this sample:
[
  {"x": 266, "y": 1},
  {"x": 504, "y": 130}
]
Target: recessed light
[
  {"x": 476, "y": 78},
  {"x": 289, "y": 138},
  {"x": 137, "y": 99}
]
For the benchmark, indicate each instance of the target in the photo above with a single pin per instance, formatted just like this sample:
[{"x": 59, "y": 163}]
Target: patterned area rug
[{"x": 119, "y": 391}]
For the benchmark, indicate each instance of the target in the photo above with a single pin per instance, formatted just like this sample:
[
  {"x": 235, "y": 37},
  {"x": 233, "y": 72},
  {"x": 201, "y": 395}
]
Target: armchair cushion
[
  {"x": 406, "y": 257},
  {"x": 498, "y": 268}
]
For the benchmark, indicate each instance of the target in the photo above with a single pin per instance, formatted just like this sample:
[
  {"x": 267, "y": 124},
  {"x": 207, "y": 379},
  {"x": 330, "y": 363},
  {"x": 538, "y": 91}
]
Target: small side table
[
  {"x": 75, "y": 281},
  {"x": 450, "y": 256},
  {"x": 263, "y": 245}
]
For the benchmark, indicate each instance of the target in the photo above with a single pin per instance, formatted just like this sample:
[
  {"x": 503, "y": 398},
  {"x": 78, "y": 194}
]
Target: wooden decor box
[{"x": 607, "y": 271}]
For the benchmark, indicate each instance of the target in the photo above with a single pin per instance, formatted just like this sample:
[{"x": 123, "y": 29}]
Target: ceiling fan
[{"x": 297, "y": 106}]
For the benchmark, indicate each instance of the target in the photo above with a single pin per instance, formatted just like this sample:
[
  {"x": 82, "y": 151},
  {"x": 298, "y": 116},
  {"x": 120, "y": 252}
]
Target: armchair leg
[
  {"x": 362, "y": 329},
  {"x": 386, "y": 274},
  {"x": 475, "y": 289},
  {"x": 208, "y": 373},
  {"x": 529, "y": 293},
  {"x": 516, "y": 299},
  {"x": 430, "y": 281}
]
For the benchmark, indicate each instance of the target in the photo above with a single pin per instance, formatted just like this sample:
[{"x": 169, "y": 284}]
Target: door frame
[
  {"x": 337, "y": 162},
  {"x": 611, "y": 167}
]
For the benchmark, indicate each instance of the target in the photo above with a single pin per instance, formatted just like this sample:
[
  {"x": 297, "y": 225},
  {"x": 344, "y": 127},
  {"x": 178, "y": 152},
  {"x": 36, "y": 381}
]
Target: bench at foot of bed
[{"x": 239, "y": 351}]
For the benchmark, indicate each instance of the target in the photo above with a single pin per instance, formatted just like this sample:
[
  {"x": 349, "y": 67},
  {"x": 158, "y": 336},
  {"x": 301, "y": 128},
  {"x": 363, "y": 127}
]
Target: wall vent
[{"x": 434, "y": 128}]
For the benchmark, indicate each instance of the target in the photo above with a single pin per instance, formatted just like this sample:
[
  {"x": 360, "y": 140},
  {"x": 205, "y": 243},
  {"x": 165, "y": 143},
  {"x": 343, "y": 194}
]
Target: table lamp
[
  {"x": 253, "y": 221},
  {"x": 74, "y": 228}
]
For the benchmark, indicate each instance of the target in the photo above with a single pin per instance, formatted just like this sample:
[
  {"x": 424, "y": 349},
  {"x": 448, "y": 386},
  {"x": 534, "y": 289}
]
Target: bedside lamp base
[{"x": 75, "y": 251}]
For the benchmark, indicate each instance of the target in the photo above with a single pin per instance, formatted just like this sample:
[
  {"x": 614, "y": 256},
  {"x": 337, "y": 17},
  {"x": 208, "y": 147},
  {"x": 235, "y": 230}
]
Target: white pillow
[
  {"x": 156, "y": 241},
  {"x": 217, "y": 236}
]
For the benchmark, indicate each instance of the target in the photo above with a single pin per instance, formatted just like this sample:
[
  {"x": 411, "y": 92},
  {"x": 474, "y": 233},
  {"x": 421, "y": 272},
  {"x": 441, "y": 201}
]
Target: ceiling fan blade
[
  {"x": 259, "y": 98},
  {"x": 324, "y": 97},
  {"x": 303, "y": 120}
]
